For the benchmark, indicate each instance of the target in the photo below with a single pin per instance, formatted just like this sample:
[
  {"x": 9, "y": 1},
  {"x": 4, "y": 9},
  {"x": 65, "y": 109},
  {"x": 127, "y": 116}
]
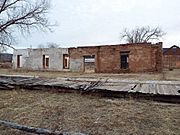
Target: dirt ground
[
  {"x": 71, "y": 112},
  {"x": 165, "y": 75}
]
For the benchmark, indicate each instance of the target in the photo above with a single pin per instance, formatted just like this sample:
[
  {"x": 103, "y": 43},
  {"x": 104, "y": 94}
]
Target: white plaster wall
[
  {"x": 24, "y": 53},
  {"x": 33, "y": 58}
]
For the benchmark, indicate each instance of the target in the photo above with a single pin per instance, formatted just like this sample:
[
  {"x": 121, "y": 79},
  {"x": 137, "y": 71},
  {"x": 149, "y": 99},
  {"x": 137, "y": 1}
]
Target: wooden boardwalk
[{"x": 160, "y": 88}]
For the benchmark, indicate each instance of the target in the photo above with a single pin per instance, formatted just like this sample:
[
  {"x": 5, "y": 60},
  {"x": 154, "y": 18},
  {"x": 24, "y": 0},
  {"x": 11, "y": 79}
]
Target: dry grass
[
  {"x": 54, "y": 74},
  {"x": 88, "y": 114},
  {"x": 172, "y": 75},
  {"x": 168, "y": 75}
]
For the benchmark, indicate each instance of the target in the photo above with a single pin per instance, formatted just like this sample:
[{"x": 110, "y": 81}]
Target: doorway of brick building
[{"x": 89, "y": 63}]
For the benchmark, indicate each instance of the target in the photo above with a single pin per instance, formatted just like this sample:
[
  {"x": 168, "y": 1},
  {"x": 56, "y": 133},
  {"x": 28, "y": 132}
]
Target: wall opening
[
  {"x": 19, "y": 61},
  {"x": 124, "y": 60},
  {"x": 45, "y": 61},
  {"x": 65, "y": 61},
  {"x": 89, "y": 63}
]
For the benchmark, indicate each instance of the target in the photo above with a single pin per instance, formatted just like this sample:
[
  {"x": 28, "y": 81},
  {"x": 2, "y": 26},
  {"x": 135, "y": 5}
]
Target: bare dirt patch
[{"x": 87, "y": 114}]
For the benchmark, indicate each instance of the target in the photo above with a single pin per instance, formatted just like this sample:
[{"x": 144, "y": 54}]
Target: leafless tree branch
[
  {"x": 49, "y": 45},
  {"x": 24, "y": 16},
  {"x": 6, "y": 45},
  {"x": 142, "y": 34}
]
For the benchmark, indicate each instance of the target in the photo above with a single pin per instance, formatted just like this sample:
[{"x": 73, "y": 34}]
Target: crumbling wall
[{"x": 143, "y": 57}]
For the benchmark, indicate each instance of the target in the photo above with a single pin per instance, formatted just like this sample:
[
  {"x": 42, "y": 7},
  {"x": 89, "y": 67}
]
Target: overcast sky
[{"x": 94, "y": 22}]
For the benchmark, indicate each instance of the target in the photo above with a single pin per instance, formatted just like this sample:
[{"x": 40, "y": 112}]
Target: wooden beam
[{"x": 35, "y": 130}]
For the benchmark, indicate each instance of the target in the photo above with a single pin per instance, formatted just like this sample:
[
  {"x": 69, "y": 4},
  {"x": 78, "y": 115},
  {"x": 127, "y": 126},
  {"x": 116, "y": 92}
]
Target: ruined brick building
[
  {"x": 141, "y": 57},
  {"x": 171, "y": 57}
]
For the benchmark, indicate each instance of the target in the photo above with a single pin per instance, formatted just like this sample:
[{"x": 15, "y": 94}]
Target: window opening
[{"x": 124, "y": 60}]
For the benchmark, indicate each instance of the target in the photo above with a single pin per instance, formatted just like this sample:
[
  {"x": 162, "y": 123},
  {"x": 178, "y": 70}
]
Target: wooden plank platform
[{"x": 162, "y": 88}]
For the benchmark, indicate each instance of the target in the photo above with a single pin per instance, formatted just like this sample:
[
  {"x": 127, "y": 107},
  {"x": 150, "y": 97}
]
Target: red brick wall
[
  {"x": 170, "y": 51},
  {"x": 171, "y": 59},
  {"x": 143, "y": 57}
]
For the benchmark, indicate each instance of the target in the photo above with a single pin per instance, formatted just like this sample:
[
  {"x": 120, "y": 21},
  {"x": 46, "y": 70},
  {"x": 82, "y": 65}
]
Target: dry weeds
[
  {"x": 166, "y": 75},
  {"x": 87, "y": 114}
]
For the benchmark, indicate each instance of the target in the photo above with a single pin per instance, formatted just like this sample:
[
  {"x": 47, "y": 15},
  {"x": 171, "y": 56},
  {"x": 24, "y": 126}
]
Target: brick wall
[
  {"x": 171, "y": 57},
  {"x": 143, "y": 57}
]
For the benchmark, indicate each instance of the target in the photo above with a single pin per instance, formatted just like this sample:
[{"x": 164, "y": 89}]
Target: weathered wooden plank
[
  {"x": 144, "y": 88},
  {"x": 132, "y": 86}
]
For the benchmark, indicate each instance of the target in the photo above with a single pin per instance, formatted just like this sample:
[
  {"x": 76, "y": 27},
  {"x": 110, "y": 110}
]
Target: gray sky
[{"x": 94, "y": 22}]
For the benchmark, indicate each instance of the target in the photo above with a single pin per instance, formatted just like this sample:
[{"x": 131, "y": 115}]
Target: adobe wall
[
  {"x": 143, "y": 57},
  {"x": 33, "y": 58}
]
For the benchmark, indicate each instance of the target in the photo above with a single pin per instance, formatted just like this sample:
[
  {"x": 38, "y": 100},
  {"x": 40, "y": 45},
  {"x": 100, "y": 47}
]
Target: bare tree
[
  {"x": 48, "y": 45},
  {"x": 142, "y": 34},
  {"x": 52, "y": 45},
  {"x": 21, "y": 15},
  {"x": 41, "y": 46}
]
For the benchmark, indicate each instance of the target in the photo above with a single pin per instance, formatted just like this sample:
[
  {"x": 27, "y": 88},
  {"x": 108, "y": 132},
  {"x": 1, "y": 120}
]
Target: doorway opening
[
  {"x": 89, "y": 63},
  {"x": 19, "y": 61},
  {"x": 45, "y": 61},
  {"x": 65, "y": 61}
]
